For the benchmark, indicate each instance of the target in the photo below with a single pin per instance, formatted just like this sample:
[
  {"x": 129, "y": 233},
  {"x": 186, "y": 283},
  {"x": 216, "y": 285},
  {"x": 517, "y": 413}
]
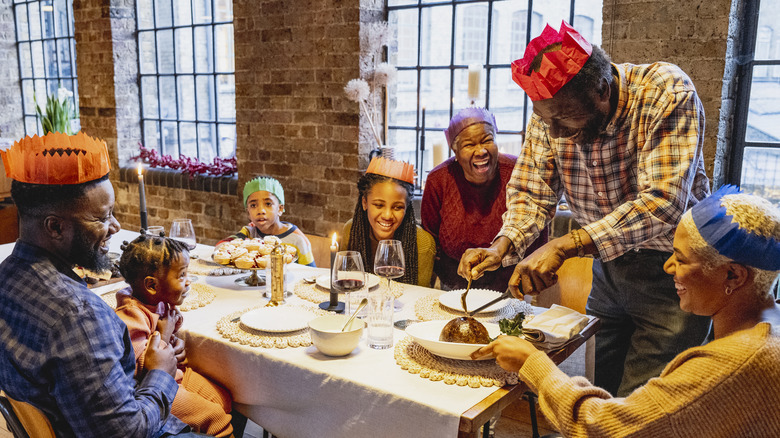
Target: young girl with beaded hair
[
  {"x": 384, "y": 211},
  {"x": 155, "y": 267}
]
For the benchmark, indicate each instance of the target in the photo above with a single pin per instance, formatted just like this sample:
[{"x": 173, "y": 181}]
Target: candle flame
[
  {"x": 334, "y": 241},
  {"x": 140, "y": 169}
]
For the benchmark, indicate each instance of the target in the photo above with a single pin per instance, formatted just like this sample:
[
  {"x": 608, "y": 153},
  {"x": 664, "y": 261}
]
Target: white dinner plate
[
  {"x": 427, "y": 334},
  {"x": 475, "y": 298},
  {"x": 323, "y": 281},
  {"x": 277, "y": 319}
]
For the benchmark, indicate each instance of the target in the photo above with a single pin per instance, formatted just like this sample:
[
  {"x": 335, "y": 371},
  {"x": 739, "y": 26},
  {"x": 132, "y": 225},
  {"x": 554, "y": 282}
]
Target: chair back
[
  {"x": 25, "y": 420},
  {"x": 320, "y": 247}
]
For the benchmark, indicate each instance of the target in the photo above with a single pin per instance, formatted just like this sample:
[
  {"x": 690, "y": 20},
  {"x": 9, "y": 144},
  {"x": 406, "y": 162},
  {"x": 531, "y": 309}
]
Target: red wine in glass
[
  {"x": 348, "y": 285},
  {"x": 389, "y": 271}
]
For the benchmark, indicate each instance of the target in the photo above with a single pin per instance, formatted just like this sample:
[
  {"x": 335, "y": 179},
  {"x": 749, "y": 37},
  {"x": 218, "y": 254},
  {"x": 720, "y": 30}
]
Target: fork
[{"x": 463, "y": 297}]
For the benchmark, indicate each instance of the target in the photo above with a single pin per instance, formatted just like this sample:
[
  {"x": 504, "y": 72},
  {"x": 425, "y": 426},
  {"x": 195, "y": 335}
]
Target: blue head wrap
[
  {"x": 721, "y": 232},
  {"x": 266, "y": 183}
]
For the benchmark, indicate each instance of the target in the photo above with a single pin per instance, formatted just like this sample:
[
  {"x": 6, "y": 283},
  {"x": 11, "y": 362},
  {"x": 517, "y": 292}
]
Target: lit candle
[
  {"x": 334, "y": 248},
  {"x": 439, "y": 153},
  {"x": 474, "y": 72},
  {"x": 333, "y": 305},
  {"x": 142, "y": 196}
]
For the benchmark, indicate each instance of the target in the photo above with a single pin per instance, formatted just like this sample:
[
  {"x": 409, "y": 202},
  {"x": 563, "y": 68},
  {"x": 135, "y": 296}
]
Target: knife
[{"x": 505, "y": 295}]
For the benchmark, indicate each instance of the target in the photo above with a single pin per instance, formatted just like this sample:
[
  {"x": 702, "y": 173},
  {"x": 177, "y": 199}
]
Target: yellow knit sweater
[{"x": 727, "y": 388}]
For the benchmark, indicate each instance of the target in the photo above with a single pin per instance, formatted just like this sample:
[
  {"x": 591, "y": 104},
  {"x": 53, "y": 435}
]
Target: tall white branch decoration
[{"x": 374, "y": 37}]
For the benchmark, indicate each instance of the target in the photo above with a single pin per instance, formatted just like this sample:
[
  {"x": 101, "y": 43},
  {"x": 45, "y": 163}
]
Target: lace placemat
[
  {"x": 315, "y": 294},
  {"x": 428, "y": 308},
  {"x": 199, "y": 296},
  {"x": 412, "y": 357},
  {"x": 230, "y": 328},
  {"x": 202, "y": 266}
]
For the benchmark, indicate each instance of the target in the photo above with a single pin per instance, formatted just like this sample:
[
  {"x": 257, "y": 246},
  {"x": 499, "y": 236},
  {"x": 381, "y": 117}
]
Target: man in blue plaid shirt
[{"x": 62, "y": 349}]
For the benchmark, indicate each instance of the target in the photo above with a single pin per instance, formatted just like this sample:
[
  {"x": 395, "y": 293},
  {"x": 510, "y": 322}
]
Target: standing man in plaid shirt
[{"x": 623, "y": 143}]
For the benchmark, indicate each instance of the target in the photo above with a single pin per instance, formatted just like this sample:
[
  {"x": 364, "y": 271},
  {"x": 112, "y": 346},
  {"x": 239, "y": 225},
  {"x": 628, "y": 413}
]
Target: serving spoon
[
  {"x": 360, "y": 307},
  {"x": 463, "y": 297}
]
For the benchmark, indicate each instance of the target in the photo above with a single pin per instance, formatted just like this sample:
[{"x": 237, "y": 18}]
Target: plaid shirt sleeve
[
  {"x": 95, "y": 393},
  {"x": 532, "y": 192},
  {"x": 669, "y": 143}
]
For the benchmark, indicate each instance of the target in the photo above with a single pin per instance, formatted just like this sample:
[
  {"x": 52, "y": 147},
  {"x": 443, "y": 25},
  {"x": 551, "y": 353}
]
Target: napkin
[{"x": 554, "y": 327}]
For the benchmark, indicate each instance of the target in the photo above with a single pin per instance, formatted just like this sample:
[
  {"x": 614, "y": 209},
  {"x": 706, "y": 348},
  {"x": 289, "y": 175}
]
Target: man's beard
[
  {"x": 592, "y": 129},
  {"x": 84, "y": 253}
]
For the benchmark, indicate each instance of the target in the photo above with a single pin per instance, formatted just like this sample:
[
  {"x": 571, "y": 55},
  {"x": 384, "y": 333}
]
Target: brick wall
[{"x": 692, "y": 34}]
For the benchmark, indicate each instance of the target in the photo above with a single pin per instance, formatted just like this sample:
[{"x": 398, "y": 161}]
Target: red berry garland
[{"x": 188, "y": 165}]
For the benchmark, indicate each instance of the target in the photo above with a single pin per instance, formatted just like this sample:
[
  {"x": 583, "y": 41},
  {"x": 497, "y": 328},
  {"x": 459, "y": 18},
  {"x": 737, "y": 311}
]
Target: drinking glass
[
  {"x": 389, "y": 262},
  {"x": 348, "y": 275},
  {"x": 181, "y": 229},
  {"x": 154, "y": 230}
]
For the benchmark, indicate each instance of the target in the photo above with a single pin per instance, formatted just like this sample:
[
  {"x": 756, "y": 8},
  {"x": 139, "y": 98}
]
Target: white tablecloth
[{"x": 299, "y": 392}]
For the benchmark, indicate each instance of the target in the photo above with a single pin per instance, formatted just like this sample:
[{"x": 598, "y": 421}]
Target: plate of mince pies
[{"x": 252, "y": 253}]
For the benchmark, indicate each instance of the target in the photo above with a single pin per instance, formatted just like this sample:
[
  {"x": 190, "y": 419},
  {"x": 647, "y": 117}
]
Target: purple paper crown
[
  {"x": 721, "y": 232},
  {"x": 465, "y": 118}
]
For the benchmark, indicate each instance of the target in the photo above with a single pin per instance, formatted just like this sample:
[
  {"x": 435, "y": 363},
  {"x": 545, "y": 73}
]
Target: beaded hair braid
[
  {"x": 147, "y": 253},
  {"x": 360, "y": 234}
]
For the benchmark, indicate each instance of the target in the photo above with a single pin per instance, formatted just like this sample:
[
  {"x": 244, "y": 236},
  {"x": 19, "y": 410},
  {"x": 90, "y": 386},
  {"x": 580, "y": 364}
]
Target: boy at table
[
  {"x": 155, "y": 267},
  {"x": 264, "y": 203}
]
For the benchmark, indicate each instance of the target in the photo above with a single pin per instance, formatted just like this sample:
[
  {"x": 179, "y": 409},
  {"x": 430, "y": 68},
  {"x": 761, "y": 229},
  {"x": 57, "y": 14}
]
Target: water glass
[
  {"x": 154, "y": 230},
  {"x": 380, "y": 319}
]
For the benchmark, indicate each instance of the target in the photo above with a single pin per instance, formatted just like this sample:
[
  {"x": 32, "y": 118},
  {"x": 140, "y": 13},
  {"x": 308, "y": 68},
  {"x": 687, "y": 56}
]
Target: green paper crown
[{"x": 266, "y": 183}]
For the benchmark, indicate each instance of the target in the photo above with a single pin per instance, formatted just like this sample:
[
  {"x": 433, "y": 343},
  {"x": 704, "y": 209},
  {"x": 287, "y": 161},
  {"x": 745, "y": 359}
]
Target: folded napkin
[{"x": 554, "y": 327}]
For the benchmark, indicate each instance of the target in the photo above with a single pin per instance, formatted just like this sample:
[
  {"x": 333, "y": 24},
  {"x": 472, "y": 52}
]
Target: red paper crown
[
  {"x": 56, "y": 158},
  {"x": 557, "y": 67},
  {"x": 394, "y": 169}
]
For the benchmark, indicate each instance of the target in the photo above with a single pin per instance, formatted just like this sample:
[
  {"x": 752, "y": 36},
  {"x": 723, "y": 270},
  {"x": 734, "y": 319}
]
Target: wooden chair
[
  {"x": 320, "y": 247},
  {"x": 25, "y": 420}
]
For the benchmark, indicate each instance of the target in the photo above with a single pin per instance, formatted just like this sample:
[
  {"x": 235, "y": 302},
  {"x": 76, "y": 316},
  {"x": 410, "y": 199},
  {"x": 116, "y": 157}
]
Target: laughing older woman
[
  {"x": 726, "y": 258},
  {"x": 465, "y": 196}
]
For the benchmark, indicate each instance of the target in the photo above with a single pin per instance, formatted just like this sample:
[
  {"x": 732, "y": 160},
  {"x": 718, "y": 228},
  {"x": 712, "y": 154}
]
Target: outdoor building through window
[
  {"x": 436, "y": 43},
  {"x": 47, "y": 55},
  {"x": 755, "y": 160},
  {"x": 187, "y": 68}
]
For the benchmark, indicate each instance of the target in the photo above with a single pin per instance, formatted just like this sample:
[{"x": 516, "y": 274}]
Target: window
[
  {"x": 187, "y": 69},
  {"x": 436, "y": 43},
  {"x": 46, "y": 48},
  {"x": 755, "y": 157}
]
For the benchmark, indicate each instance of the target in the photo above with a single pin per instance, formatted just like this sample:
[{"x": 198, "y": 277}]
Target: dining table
[{"x": 296, "y": 391}]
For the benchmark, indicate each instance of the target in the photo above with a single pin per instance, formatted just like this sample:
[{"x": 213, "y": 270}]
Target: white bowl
[
  {"x": 427, "y": 334},
  {"x": 327, "y": 336}
]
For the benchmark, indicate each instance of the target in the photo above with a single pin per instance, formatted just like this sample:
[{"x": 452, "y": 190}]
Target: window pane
[
  {"x": 553, "y": 11},
  {"x": 436, "y": 35},
  {"x": 403, "y": 99},
  {"x": 768, "y": 35},
  {"x": 202, "y": 11},
  {"x": 227, "y": 140},
  {"x": 146, "y": 51},
  {"x": 47, "y": 17},
  {"x": 400, "y": 2},
  {"x": 207, "y": 137},
  {"x": 186, "y": 99},
  {"x": 33, "y": 11},
  {"x": 163, "y": 14},
  {"x": 205, "y": 90},
  {"x": 149, "y": 93},
  {"x": 184, "y": 50},
  {"x": 182, "y": 12},
  {"x": 27, "y": 96},
  {"x": 22, "y": 25},
  {"x": 203, "y": 50},
  {"x": 471, "y": 33},
  {"x": 170, "y": 139},
  {"x": 404, "y": 25},
  {"x": 763, "y": 109},
  {"x": 226, "y": 98},
  {"x": 189, "y": 145},
  {"x": 50, "y": 58},
  {"x": 61, "y": 21},
  {"x": 151, "y": 134},
  {"x": 761, "y": 172},
  {"x": 167, "y": 97},
  {"x": 36, "y": 48},
  {"x": 224, "y": 47},
  {"x": 145, "y": 14},
  {"x": 405, "y": 144},
  {"x": 509, "y": 143},
  {"x": 435, "y": 95},
  {"x": 165, "y": 51},
  {"x": 25, "y": 60},
  {"x": 224, "y": 10},
  {"x": 506, "y": 101},
  {"x": 63, "y": 56}
]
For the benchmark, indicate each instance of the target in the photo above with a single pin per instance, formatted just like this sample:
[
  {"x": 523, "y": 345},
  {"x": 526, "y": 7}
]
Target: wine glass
[
  {"x": 389, "y": 262},
  {"x": 348, "y": 275},
  {"x": 181, "y": 229}
]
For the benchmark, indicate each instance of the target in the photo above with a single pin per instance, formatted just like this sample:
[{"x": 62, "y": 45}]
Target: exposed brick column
[
  {"x": 11, "y": 118},
  {"x": 692, "y": 35}
]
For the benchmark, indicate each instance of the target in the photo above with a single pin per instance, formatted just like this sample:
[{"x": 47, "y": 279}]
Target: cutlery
[
  {"x": 505, "y": 295},
  {"x": 360, "y": 307},
  {"x": 309, "y": 280},
  {"x": 463, "y": 297}
]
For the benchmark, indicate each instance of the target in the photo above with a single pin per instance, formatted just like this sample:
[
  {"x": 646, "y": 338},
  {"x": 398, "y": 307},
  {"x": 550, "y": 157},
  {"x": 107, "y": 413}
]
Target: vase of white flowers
[
  {"x": 59, "y": 115},
  {"x": 375, "y": 78}
]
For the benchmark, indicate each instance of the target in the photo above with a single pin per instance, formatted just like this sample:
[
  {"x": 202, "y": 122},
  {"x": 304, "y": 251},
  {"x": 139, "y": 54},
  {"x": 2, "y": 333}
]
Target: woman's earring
[{"x": 729, "y": 290}]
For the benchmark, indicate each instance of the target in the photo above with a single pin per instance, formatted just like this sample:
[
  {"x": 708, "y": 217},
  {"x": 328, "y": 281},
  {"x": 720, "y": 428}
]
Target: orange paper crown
[
  {"x": 394, "y": 169},
  {"x": 56, "y": 158},
  {"x": 557, "y": 67}
]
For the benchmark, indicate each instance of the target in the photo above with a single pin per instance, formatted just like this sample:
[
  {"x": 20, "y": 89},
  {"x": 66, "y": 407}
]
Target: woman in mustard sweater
[{"x": 725, "y": 261}]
